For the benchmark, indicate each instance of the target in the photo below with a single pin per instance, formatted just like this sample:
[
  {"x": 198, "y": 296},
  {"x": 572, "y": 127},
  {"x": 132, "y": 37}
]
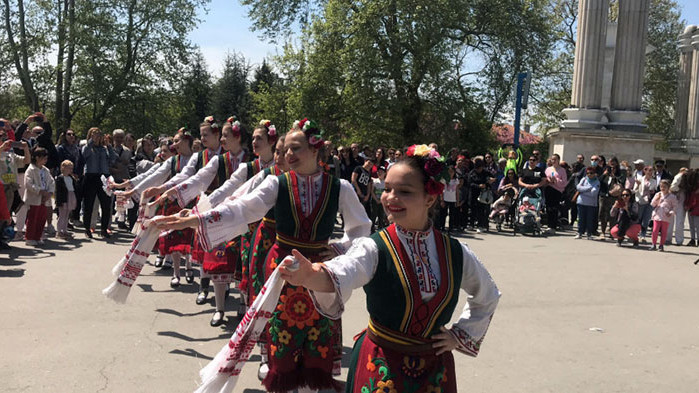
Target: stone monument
[
  {"x": 596, "y": 124},
  {"x": 685, "y": 144}
]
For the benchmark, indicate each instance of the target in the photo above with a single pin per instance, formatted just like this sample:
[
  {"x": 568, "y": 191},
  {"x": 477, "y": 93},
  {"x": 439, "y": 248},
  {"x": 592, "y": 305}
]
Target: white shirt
[
  {"x": 68, "y": 180},
  {"x": 192, "y": 187},
  {"x": 230, "y": 218},
  {"x": 358, "y": 266}
]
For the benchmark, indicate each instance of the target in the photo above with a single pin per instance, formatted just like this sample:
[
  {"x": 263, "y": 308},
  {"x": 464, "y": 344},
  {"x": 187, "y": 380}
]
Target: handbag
[
  {"x": 615, "y": 190},
  {"x": 486, "y": 196}
]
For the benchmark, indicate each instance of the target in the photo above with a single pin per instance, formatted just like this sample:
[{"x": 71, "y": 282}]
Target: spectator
[
  {"x": 513, "y": 157},
  {"x": 120, "y": 166},
  {"x": 380, "y": 162},
  {"x": 145, "y": 154},
  {"x": 595, "y": 163},
  {"x": 692, "y": 206},
  {"x": 398, "y": 155},
  {"x": 379, "y": 217},
  {"x": 502, "y": 206},
  {"x": 391, "y": 157},
  {"x": 638, "y": 169},
  {"x": 489, "y": 164},
  {"x": 197, "y": 146},
  {"x": 130, "y": 143},
  {"x": 363, "y": 186},
  {"x": 611, "y": 184},
  {"x": 29, "y": 136},
  {"x": 448, "y": 203},
  {"x": 532, "y": 177},
  {"x": 479, "y": 181},
  {"x": 578, "y": 166},
  {"x": 664, "y": 204},
  {"x": 453, "y": 156},
  {"x": 625, "y": 211},
  {"x": 500, "y": 174},
  {"x": 43, "y": 133},
  {"x": 366, "y": 152},
  {"x": 345, "y": 164},
  {"x": 462, "y": 204},
  {"x": 510, "y": 181},
  {"x": 65, "y": 198},
  {"x": 355, "y": 158},
  {"x": 5, "y": 219},
  {"x": 10, "y": 162},
  {"x": 38, "y": 189},
  {"x": 588, "y": 201},
  {"x": 98, "y": 158},
  {"x": 644, "y": 189},
  {"x": 68, "y": 149},
  {"x": 557, "y": 180},
  {"x": 679, "y": 188},
  {"x": 661, "y": 173}
]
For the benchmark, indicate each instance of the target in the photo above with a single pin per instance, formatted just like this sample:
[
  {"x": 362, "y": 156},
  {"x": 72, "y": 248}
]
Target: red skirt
[
  {"x": 303, "y": 346},
  {"x": 261, "y": 244},
  {"x": 376, "y": 368},
  {"x": 220, "y": 263},
  {"x": 197, "y": 251},
  {"x": 175, "y": 241},
  {"x": 245, "y": 246}
]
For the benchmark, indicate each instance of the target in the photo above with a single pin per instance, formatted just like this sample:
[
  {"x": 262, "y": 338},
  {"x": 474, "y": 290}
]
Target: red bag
[{"x": 692, "y": 204}]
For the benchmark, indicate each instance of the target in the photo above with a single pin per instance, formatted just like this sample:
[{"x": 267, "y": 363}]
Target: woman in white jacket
[{"x": 644, "y": 189}]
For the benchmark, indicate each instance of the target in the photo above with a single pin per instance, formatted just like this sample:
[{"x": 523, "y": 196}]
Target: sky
[{"x": 226, "y": 28}]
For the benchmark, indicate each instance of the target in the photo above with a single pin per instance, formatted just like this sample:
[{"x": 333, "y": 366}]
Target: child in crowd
[
  {"x": 38, "y": 189},
  {"x": 527, "y": 212},
  {"x": 449, "y": 197},
  {"x": 664, "y": 206},
  {"x": 65, "y": 198},
  {"x": 502, "y": 206}
]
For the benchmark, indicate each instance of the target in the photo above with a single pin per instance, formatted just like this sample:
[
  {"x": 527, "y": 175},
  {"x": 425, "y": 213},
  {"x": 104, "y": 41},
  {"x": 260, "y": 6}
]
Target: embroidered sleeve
[
  {"x": 357, "y": 223},
  {"x": 483, "y": 298},
  {"x": 348, "y": 272},
  {"x": 227, "y": 189},
  {"x": 192, "y": 187},
  {"x": 138, "y": 179},
  {"x": 231, "y": 218},
  {"x": 156, "y": 178}
]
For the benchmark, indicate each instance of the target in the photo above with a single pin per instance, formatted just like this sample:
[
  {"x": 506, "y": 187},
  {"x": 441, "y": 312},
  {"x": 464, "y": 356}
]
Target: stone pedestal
[
  {"x": 589, "y": 62},
  {"x": 629, "y": 66},
  {"x": 625, "y": 145},
  {"x": 684, "y": 79}
]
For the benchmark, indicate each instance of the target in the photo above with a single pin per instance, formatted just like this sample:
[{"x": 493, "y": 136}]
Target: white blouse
[
  {"x": 133, "y": 182},
  {"x": 235, "y": 182},
  {"x": 192, "y": 187},
  {"x": 358, "y": 266},
  {"x": 189, "y": 170},
  {"x": 230, "y": 218},
  {"x": 159, "y": 176}
]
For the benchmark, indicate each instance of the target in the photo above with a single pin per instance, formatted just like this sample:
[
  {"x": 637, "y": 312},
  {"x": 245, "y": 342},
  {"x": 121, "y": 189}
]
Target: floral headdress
[
  {"x": 211, "y": 121},
  {"x": 271, "y": 130},
  {"x": 185, "y": 134},
  {"x": 235, "y": 125},
  {"x": 313, "y": 133},
  {"x": 434, "y": 167}
]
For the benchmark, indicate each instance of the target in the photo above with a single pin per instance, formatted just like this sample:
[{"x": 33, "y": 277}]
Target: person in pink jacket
[{"x": 664, "y": 206}]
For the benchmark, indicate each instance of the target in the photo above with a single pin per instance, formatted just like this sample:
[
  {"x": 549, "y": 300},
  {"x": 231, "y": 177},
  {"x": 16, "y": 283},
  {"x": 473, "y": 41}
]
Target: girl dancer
[
  {"x": 411, "y": 274},
  {"x": 302, "y": 343},
  {"x": 219, "y": 263},
  {"x": 176, "y": 242}
]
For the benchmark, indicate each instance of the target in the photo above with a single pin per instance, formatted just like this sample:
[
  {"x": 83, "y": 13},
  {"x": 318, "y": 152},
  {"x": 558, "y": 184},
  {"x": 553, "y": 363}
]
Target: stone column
[
  {"x": 629, "y": 65},
  {"x": 588, "y": 70},
  {"x": 693, "y": 107},
  {"x": 684, "y": 80}
]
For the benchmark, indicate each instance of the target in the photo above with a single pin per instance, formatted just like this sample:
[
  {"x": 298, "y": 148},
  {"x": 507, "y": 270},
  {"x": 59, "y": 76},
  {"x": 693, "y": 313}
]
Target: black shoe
[
  {"x": 70, "y": 226},
  {"x": 105, "y": 234},
  {"x": 217, "y": 319},
  {"x": 661, "y": 248},
  {"x": 5, "y": 246},
  {"x": 201, "y": 297},
  {"x": 189, "y": 275},
  {"x": 635, "y": 244},
  {"x": 691, "y": 243},
  {"x": 620, "y": 241},
  {"x": 122, "y": 225},
  {"x": 88, "y": 233}
]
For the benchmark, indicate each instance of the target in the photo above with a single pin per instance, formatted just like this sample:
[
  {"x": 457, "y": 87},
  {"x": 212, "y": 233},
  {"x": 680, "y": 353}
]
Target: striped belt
[
  {"x": 399, "y": 342},
  {"x": 269, "y": 222},
  {"x": 305, "y": 247}
]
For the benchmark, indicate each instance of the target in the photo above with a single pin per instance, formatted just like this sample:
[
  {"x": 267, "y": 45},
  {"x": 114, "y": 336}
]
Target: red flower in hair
[
  {"x": 411, "y": 151},
  {"x": 302, "y": 122},
  {"x": 434, "y": 187},
  {"x": 209, "y": 119},
  {"x": 433, "y": 167}
]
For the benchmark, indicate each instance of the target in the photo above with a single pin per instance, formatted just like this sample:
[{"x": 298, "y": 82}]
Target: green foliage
[{"x": 230, "y": 94}]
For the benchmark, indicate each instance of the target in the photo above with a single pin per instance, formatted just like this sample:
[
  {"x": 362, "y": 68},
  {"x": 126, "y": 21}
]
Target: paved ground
[{"x": 60, "y": 334}]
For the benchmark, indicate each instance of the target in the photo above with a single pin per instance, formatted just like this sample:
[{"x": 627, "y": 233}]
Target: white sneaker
[
  {"x": 578, "y": 236},
  {"x": 478, "y": 230}
]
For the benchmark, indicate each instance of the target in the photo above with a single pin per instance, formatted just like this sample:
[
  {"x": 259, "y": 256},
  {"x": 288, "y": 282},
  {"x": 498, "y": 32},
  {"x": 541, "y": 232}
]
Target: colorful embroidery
[{"x": 297, "y": 308}]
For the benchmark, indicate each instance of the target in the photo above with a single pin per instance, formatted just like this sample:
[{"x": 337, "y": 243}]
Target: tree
[
  {"x": 370, "y": 66},
  {"x": 195, "y": 100},
  {"x": 230, "y": 95}
]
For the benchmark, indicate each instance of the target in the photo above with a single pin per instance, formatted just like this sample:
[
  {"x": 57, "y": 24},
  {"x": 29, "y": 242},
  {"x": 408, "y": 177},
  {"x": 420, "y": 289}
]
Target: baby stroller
[{"x": 529, "y": 221}]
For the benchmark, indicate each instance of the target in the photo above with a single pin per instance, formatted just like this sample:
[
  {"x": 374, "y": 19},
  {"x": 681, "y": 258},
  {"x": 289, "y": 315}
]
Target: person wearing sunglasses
[{"x": 625, "y": 212}]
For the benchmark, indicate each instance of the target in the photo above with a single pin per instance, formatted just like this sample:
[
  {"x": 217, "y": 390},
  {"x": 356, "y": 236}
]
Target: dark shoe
[
  {"x": 88, "y": 233},
  {"x": 122, "y": 225},
  {"x": 691, "y": 243},
  {"x": 189, "y": 276},
  {"x": 661, "y": 248},
  {"x": 159, "y": 261},
  {"x": 5, "y": 246},
  {"x": 175, "y": 282},
  {"x": 619, "y": 242},
  {"x": 635, "y": 244},
  {"x": 217, "y": 319},
  {"x": 70, "y": 226},
  {"x": 105, "y": 234},
  {"x": 654, "y": 248},
  {"x": 201, "y": 297}
]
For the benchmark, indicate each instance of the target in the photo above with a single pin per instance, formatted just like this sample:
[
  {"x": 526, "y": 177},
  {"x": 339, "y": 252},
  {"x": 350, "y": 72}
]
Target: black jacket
[
  {"x": 62, "y": 190},
  {"x": 44, "y": 140}
]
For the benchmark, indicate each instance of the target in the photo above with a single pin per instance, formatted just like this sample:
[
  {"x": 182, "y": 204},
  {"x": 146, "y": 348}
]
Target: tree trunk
[
  {"x": 21, "y": 63},
  {"x": 68, "y": 79},
  {"x": 62, "y": 10}
]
